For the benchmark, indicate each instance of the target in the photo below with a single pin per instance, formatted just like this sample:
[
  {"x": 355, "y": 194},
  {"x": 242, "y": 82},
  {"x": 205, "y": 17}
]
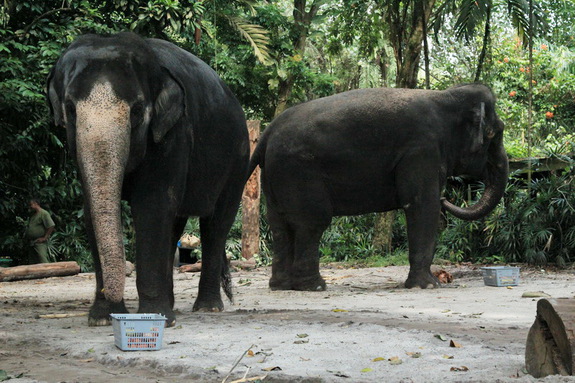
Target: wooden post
[
  {"x": 251, "y": 202},
  {"x": 551, "y": 339}
]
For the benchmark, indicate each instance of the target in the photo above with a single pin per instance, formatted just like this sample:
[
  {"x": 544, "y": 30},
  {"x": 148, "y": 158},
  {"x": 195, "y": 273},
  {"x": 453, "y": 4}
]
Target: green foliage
[
  {"x": 535, "y": 225},
  {"x": 34, "y": 161},
  {"x": 348, "y": 238}
]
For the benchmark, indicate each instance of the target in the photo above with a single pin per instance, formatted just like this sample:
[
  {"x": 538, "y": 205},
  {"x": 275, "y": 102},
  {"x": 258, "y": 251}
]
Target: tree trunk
[
  {"x": 302, "y": 23},
  {"x": 551, "y": 339},
  {"x": 382, "y": 63},
  {"x": 406, "y": 35},
  {"x": 251, "y": 202},
  {"x": 37, "y": 271},
  {"x": 486, "y": 43},
  {"x": 425, "y": 48}
]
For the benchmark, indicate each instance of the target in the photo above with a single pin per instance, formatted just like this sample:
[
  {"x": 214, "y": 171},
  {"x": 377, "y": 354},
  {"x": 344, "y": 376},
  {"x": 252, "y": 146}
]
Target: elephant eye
[{"x": 490, "y": 133}]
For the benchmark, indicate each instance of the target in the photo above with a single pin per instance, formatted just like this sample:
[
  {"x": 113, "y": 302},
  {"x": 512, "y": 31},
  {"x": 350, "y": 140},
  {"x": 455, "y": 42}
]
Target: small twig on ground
[
  {"x": 247, "y": 372},
  {"x": 247, "y": 380},
  {"x": 236, "y": 364},
  {"x": 58, "y": 316}
]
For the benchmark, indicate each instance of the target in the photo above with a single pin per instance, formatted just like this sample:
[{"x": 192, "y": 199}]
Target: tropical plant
[
  {"x": 535, "y": 225},
  {"x": 472, "y": 16}
]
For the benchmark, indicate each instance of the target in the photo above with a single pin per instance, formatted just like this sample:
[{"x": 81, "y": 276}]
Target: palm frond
[
  {"x": 472, "y": 13},
  {"x": 256, "y": 35},
  {"x": 249, "y": 5},
  {"x": 441, "y": 14},
  {"x": 519, "y": 12}
]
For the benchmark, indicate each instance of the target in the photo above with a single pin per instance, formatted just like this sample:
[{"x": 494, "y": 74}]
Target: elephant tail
[
  {"x": 258, "y": 156},
  {"x": 227, "y": 279}
]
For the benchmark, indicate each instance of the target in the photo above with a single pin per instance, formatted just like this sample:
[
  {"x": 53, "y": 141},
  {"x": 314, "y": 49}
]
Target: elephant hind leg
[
  {"x": 295, "y": 263},
  {"x": 214, "y": 230},
  {"x": 283, "y": 246},
  {"x": 305, "y": 267}
]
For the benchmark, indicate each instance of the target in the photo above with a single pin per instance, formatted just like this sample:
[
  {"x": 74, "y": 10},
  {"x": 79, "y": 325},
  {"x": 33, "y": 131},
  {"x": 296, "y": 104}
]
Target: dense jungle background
[{"x": 278, "y": 53}]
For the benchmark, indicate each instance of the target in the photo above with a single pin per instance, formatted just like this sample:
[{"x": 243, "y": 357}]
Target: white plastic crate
[
  {"x": 138, "y": 332},
  {"x": 501, "y": 276}
]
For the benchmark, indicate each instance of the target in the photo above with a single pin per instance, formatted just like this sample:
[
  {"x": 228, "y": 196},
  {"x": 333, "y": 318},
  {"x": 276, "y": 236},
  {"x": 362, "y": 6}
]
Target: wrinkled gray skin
[
  {"x": 152, "y": 124},
  {"x": 375, "y": 150}
]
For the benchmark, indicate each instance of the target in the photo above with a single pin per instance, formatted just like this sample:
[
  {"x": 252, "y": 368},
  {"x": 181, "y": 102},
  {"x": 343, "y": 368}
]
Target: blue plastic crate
[
  {"x": 138, "y": 332},
  {"x": 501, "y": 276}
]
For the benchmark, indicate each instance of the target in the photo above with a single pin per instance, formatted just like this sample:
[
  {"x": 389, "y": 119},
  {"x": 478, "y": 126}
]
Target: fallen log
[
  {"x": 551, "y": 339},
  {"x": 191, "y": 268},
  {"x": 249, "y": 264},
  {"x": 39, "y": 270}
]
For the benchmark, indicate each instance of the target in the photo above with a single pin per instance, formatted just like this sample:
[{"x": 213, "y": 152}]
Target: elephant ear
[
  {"x": 169, "y": 107},
  {"x": 54, "y": 101},
  {"x": 477, "y": 127}
]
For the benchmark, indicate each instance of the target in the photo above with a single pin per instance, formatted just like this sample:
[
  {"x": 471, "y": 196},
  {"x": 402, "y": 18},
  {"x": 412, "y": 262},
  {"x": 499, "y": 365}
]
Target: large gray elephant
[
  {"x": 152, "y": 124},
  {"x": 375, "y": 150}
]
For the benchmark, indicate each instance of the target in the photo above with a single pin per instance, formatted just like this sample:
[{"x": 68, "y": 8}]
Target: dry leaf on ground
[
  {"x": 443, "y": 276},
  {"x": 453, "y": 343}
]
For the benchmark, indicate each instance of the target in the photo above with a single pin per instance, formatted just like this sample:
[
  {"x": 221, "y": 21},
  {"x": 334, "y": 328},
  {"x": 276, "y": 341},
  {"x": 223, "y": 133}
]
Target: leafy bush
[{"x": 534, "y": 224}]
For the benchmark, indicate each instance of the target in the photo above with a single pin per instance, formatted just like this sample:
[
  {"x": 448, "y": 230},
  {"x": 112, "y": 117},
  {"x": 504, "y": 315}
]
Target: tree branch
[{"x": 29, "y": 26}]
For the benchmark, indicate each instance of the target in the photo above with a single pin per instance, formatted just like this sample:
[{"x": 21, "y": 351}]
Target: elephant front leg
[
  {"x": 422, "y": 226},
  {"x": 155, "y": 248}
]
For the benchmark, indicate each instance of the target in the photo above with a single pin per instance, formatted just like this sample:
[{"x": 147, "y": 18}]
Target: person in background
[{"x": 40, "y": 227}]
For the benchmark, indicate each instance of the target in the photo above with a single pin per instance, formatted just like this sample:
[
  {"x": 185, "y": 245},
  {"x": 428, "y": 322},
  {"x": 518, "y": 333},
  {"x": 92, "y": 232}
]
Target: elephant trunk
[
  {"x": 102, "y": 139},
  {"x": 495, "y": 183}
]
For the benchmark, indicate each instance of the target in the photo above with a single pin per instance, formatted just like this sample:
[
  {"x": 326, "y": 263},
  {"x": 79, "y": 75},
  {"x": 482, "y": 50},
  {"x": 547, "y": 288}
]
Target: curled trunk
[{"x": 495, "y": 183}]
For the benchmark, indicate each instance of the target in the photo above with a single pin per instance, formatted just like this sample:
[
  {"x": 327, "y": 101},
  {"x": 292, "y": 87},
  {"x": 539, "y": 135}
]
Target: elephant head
[
  {"x": 114, "y": 101},
  {"x": 479, "y": 149}
]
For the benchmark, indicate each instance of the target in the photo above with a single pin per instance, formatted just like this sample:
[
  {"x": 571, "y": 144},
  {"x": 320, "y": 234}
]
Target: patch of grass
[{"x": 397, "y": 258}]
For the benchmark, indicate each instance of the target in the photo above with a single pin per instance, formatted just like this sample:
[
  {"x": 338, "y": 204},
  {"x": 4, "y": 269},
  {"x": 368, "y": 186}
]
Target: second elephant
[{"x": 375, "y": 150}]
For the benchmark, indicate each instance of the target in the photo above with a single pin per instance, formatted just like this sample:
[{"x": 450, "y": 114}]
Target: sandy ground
[{"x": 364, "y": 328}]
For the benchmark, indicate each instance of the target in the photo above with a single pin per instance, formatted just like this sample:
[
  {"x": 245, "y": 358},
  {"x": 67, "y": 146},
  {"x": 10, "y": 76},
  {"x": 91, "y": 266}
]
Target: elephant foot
[
  {"x": 100, "y": 312},
  {"x": 151, "y": 308},
  {"x": 315, "y": 283},
  {"x": 208, "y": 310},
  {"x": 421, "y": 279},
  {"x": 280, "y": 283},
  {"x": 207, "y": 305}
]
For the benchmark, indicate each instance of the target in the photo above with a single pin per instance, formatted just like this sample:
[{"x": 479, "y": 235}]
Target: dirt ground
[{"x": 364, "y": 328}]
